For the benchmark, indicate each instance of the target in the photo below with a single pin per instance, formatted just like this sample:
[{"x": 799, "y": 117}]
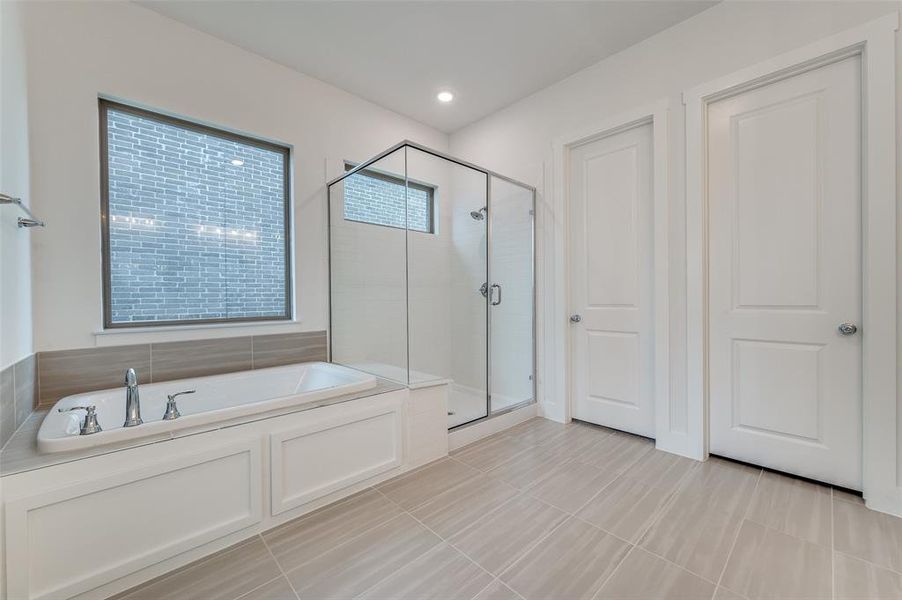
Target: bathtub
[{"x": 218, "y": 398}]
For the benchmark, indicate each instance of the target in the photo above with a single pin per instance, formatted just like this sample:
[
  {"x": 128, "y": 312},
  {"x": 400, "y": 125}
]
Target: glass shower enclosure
[{"x": 432, "y": 278}]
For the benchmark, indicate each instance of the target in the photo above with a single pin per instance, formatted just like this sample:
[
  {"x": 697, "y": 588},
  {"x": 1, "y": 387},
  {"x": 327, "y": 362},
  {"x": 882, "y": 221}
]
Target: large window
[
  {"x": 378, "y": 198},
  {"x": 195, "y": 222}
]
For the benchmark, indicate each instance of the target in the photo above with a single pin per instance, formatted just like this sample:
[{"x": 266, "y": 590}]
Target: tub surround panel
[
  {"x": 68, "y": 372},
  {"x": 65, "y": 372},
  {"x": 196, "y": 358},
  {"x": 233, "y": 464},
  {"x": 22, "y": 454},
  {"x": 287, "y": 348},
  {"x": 26, "y": 379},
  {"x": 7, "y": 404},
  {"x": 18, "y": 390}
]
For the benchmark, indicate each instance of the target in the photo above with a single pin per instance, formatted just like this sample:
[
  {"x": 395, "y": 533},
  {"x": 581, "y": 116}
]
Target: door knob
[
  {"x": 575, "y": 318},
  {"x": 847, "y": 328}
]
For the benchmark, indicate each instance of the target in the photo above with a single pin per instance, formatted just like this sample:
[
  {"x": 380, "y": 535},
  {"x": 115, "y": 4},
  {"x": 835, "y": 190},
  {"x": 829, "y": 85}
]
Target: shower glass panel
[
  {"x": 446, "y": 269},
  {"x": 368, "y": 269},
  {"x": 431, "y": 272},
  {"x": 512, "y": 294}
]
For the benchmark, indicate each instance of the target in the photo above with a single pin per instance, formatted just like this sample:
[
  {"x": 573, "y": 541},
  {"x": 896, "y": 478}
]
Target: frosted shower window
[
  {"x": 380, "y": 199},
  {"x": 196, "y": 222}
]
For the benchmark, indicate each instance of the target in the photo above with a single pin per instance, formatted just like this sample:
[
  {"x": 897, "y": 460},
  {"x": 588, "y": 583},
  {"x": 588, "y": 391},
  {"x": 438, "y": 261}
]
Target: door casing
[
  {"x": 875, "y": 44},
  {"x": 657, "y": 115}
]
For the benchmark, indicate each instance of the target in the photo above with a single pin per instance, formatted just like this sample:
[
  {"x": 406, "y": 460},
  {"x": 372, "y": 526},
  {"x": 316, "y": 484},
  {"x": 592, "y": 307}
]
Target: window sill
[{"x": 175, "y": 333}]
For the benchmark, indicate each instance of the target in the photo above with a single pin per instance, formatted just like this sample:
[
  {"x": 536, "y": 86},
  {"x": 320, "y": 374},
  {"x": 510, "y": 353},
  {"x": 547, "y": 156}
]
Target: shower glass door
[
  {"x": 511, "y": 339},
  {"x": 446, "y": 267}
]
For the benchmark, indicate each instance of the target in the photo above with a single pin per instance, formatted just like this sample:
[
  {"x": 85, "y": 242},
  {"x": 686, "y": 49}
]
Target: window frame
[
  {"x": 104, "y": 106},
  {"x": 409, "y": 183}
]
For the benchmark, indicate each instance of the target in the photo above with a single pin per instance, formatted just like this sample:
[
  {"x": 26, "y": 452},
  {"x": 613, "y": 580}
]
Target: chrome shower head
[{"x": 479, "y": 215}]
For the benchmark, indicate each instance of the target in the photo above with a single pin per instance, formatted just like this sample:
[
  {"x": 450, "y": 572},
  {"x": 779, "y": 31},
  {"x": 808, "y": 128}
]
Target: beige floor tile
[
  {"x": 860, "y": 580},
  {"x": 226, "y": 575},
  {"x": 501, "y": 537},
  {"x": 695, "y": 534},
  {"x": 573, "y": 562},
  {"x": 769, "y": 564},
  {"x": 427, "y": 482},
  {"x": 643, "y": 576},
  {"x": 353, "y": 568},
  {"x": 298, "y": 541},
  {"x": 442, "y": 574},
  {"x": 867, "y": 534},
  {"x": 277, "y": 589},
  {"x": 536, "y": 431},
  {"x": 571, "y": 485},
  {"x": 799, "y": 508},
  {"x": 723, "y": 483},
  {"x": 723, "y": 593},
  {"x": 661, "y": 469},
  {"x": 528, "y": 468},
  {"x": 459, "y": 507},
  {"x": 498, "y": 591},
  {"x": 696, "y": 531},
  {"x": 627, "y": 507},
  {"x": 616, "y": 452},
  {"x": 490, "y": 452},
  {"x": 576, "y": 441}
]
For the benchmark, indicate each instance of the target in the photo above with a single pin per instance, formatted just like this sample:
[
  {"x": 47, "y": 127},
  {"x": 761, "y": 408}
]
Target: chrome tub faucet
[{"x": 132, "y": 401}]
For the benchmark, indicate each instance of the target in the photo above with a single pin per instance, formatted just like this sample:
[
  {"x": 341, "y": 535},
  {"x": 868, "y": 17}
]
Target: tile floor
[{"x": 545, "y": 511}]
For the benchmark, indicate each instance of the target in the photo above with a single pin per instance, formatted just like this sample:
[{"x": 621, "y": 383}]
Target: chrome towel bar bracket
[{"x": 30, "y": 220}]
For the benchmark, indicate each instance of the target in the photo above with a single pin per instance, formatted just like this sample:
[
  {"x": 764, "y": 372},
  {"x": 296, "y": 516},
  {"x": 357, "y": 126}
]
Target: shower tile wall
[{"x": 468, "y": 316}]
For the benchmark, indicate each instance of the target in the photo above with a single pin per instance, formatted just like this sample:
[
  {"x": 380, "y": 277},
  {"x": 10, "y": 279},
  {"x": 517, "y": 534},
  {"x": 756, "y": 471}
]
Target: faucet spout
[{"x": 132, "y": 400}]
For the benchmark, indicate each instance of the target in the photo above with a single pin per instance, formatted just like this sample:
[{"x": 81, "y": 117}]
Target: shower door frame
[{"x": 489, "y": 174}]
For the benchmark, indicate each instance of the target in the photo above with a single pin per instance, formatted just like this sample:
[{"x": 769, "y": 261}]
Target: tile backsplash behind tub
[
  {"x": 65, "y": 372},
  {"x": 18, "y": 395}
]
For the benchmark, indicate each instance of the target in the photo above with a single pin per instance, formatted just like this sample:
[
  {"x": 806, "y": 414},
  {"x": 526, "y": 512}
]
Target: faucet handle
[
  {"x": 90, "y": 425},
  {"x": 172, "y": 411},
  {"x": 131, "y": 378},
  {"x": 172, "y": 397}
]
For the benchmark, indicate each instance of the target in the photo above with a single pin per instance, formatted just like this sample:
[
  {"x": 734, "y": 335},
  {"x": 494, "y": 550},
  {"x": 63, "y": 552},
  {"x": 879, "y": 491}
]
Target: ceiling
[{"x": 400, "y": 54}]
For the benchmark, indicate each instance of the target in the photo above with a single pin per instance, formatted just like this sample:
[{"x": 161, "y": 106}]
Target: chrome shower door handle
[{"x": 495, "y": 286}]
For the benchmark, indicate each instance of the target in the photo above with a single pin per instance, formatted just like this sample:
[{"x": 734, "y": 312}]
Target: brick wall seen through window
[
  {"x": 380, "y": 199},
  {"x": 196, "y": 223}
]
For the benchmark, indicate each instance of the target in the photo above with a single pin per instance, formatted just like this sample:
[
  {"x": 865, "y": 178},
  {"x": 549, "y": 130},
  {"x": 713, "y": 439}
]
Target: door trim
[
  {"x": 655, "y": 114},
  {"x": 874, "y": 42}
]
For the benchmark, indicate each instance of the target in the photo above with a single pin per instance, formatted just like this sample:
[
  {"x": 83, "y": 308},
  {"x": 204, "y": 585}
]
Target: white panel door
[
  {"x": 785, "y": 273},
  {"x": 611, "y": 253}
]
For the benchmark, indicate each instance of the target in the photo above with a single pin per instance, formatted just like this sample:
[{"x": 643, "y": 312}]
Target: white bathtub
[{"x": 218, "y": 398}]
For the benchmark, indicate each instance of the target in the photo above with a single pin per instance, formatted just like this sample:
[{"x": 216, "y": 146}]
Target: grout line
[
  {"x": 278, "y": 566},
  {"x": 430, "y": 551},
  {"x": 745, "y": 514},
  {"x": 614, "y": 571},
  {"x": 679, "y": 566},
  {"x": 262, "y": 585},
  {"x": 871, "y": 563},
  {"x": 538, "y": 542}
]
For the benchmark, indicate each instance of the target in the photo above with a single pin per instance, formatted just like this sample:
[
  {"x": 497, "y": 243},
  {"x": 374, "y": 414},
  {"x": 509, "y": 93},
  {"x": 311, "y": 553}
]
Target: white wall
[
  {"x": 15, "y": 253},
  {"x": 731, "y": 35},
  {"x": 77, "y": 50}
]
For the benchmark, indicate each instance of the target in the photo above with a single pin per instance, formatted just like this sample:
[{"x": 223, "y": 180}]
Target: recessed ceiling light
[
  {"x": 445, "y": 96},
  {"x": 237, "y": 162}
]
